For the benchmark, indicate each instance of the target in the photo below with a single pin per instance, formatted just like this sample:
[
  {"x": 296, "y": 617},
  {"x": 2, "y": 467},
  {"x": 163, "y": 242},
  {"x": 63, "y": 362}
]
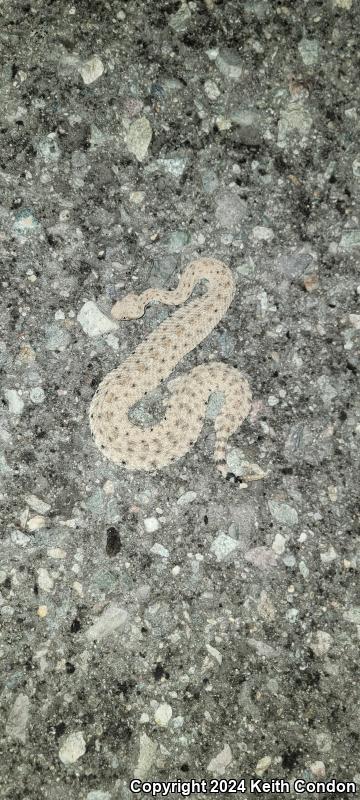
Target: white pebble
[
  {"x": 91, "y": 70},
  {"x": 16, "y": 404},
  {"x": 223, "y": 545},
  {"x": 56, "y": 552},
  {"x": 214, "y": 653},
  {"x": 278, "y": 544},
  {"x": 72, "y": 748},
  {"x": 138, "y": 138},
  {"x": 151, "y": 524},
  {"x": 45, "y": 581},
  {"x": 93, "y": 321},
  {"x": 16, "y": 727},
  {"x": 36, "y": 504},
  {"x": 318, "y": 769},
  {"x": 329, "y": 555},
  {"x": 163, "y": 715},
  {"x": 220, "y": 763},
  {"x": 37, "y": 395},
  {"x": 262, "y": 234},
  {"x": 112, "y": 618},
  {"x": 321, "y": 643},
  {"x": 186, "y": 498},
  {"x": 354, "y": 319},
  {"x": 36, "y": 523},
  {"x": 262, "y": 765},
  {"x": 159, "y": 550},
  {"x": 211, "y": 90}
]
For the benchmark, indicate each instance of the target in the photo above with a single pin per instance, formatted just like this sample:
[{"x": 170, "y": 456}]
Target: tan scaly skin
[{"x": 151, "y": 448}]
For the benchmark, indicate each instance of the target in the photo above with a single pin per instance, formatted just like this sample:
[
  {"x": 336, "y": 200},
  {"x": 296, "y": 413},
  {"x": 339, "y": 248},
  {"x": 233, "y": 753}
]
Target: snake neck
[
  {"x": 219, "y": 280},
  {"x": 157, "y": 356}
]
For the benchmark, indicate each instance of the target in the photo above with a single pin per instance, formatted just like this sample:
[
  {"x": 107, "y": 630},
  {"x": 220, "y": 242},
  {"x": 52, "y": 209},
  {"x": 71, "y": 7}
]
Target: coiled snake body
[{"x": 151, "y": 448}]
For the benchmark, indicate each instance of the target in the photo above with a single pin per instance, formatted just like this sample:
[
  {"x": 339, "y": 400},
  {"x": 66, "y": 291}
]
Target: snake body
[{"x": 151, "y": 448}]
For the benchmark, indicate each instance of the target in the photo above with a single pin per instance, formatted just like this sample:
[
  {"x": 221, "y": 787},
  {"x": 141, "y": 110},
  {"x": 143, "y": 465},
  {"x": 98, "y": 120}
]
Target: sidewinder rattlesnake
[{"x": 151, "y": 448}]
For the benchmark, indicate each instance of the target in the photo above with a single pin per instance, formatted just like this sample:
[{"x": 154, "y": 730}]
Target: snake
[{"x": 152, "y": 447}]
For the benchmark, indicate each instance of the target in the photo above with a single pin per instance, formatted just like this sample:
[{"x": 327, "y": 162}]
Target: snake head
[{"x": 130, "y": 307}]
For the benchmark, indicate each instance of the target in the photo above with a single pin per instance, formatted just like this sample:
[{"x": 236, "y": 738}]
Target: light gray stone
[
  {"x": 220, "y": 763},
  {"x": 15, "y": 402},
  {"x": 93, "y": 321},
  {"x": 229, "y": 63},
  {"x": 223, "y": 546},
  {"x": 283, "y": 513},
  {"x": 309, "y": 51},
  {"x": 91, "y": 70},
  {"x": 112, "y": 619},
  {"x": 180, "y": 20},
  {"x": 72, "y": 748},
  {"x": 17, "y": 723},
  {"x": 138, "y": 138},
  {"x": 147, "y": 754},
  {"x": 230, "y": 210}
]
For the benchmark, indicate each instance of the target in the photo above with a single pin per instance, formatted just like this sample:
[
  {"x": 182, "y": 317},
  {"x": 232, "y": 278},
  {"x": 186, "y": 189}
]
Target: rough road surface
[{"x": 179, "y": 625}]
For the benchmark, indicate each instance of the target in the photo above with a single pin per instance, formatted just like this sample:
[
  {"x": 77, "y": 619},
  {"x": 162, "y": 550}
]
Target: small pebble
[
  {"x": 25, "y": 222},
  {"x": 138, "y": 138},
  {"x": 223, "y": 123},
  {"x": 321, "y": 643},
  {"x": 173, "y": 166},
  {"x": 220, "y": 763},
  {"x": 283, "y": 513},
  {"x": 211, "y": 90},
  {"x": 223, "y": 546},
  {"x": 91, "y": 70},
  {"x": 261, "y": 557},
  {"x": 56, "y": 338},
  {"x": 354, "y": 320},
  {"x": 36, "y": 523},
  {"x": 214, "y": 653},
  {"x": 180, "y": 20},
  {"x": 353, "y": 615},
  {"x": 159, "y": 550},
  {"x": 329, "y": 555},
  {"x": 279, "y": 544},
  {"x": 72, "y": 748},
  {"x": 56, "y": 552},
  {"x": 151, "y": 524},
  {"x": 345, "y": 4},
  {"x": 44, "y": 580},
  {"x": 109, "y": 621},
  {"x": 311, "y": 282},
  {"x": 309, "y": 51},
  {"x": 17, "y": 723},
  {"x": 163, "y": 715},
  {"x": 318, "y": 769},
  {"x": 263, "y": 765},
  {"x": 186, "y": 498},
  {"x": 93, "y": 321},
  {"x": 229, "y": 64},
  {"x": 262, "y": 234},
  {"x": 350, "y": 239},
  {"x": 15, "y": 403},
  {"x": 37, "y": 395},
  {"x": 147, "y": 754}
]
